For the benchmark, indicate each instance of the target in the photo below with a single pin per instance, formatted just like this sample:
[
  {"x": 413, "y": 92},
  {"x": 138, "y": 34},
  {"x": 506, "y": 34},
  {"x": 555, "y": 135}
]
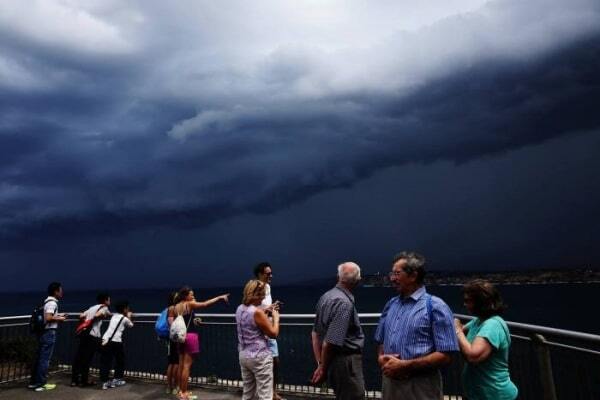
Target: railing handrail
[{"x": 517, "y": 325}]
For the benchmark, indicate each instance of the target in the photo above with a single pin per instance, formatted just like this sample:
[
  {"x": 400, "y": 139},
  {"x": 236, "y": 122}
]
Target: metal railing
[{"x": 545, "y": 363}]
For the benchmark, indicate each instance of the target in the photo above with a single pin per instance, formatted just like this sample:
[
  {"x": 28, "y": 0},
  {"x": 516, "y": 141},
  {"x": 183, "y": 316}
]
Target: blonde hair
[{"x": 253, "y": 290}]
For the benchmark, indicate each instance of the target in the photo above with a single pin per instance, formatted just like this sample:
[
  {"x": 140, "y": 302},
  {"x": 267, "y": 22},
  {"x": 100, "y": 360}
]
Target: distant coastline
[{"x": 533, "y": 277}]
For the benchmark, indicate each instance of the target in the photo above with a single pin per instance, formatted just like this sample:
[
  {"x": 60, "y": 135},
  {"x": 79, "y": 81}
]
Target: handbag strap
[
  {"x": 115, "y": 330},
  {"x": 98, "y": 310}
]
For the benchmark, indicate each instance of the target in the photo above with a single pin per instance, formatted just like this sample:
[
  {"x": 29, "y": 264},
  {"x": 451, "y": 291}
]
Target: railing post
[{"x": 545, "y": 364}]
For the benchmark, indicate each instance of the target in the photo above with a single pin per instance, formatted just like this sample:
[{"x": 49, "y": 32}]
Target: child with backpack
[{"x": 112, "y": 347}]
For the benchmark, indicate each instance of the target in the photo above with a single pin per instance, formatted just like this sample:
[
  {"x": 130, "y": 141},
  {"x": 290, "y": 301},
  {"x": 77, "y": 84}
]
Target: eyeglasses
[{"x": 398, "y": 273}]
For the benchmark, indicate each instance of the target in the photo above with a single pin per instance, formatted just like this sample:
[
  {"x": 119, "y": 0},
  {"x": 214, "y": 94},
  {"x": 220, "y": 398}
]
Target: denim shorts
[{"x": 273, "y": 347}]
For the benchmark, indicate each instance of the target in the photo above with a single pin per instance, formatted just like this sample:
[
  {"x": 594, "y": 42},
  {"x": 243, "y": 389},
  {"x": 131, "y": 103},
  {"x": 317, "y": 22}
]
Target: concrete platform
[{"x": 135, "y": 389}]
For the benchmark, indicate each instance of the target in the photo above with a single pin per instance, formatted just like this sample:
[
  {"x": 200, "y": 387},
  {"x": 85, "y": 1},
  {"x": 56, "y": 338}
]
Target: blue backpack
[{"x": 162, "y": 325}]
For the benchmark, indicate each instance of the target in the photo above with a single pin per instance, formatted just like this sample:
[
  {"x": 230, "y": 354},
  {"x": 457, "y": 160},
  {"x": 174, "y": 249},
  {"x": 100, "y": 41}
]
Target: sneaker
[
  {"x": 33, "y": 385},
  {"x": 47, "y": 386},
  {"x": 112, "y": 383},
  {"x": 105, "y": 385},
  {"x": 119, "y": 382}
]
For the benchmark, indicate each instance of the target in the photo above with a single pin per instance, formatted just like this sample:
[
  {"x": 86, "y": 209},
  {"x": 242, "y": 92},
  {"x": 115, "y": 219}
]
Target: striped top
[
  {"x": 406, "y": 328},
  {"x": 252, "y": 342}
]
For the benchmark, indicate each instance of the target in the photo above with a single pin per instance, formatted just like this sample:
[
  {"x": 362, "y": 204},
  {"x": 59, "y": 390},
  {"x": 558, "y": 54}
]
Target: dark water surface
[{"x": 566, "y": 306}]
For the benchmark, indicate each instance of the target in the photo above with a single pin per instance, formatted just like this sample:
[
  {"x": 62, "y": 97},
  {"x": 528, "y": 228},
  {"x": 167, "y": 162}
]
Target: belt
[{"x": 347, "y": 352}]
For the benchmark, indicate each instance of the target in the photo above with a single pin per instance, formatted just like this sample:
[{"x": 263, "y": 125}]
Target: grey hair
[
  {"x": 348, "y": 272},
  {"x": 415, "y": 263}
]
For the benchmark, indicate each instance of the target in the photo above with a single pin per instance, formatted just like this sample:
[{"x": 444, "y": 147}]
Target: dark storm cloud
[{"x": 103, "y": 140}]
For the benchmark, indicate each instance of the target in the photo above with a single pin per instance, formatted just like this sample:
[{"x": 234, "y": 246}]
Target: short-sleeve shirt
[
  {"x": 90, "y": 313},
  {"x": 117, "y": 326},
  {"x": 50, "y": 307},
  {"x": 268, "y": 300},
  {"x": 490, "y": 379},
  {"x": 407, "y": 329},
  {"x": 337, "y": 320}
]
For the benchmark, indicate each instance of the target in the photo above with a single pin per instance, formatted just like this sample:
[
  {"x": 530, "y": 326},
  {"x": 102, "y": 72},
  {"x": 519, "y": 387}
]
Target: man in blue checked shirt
[
  {"x": 415, "y": 335},
  {"x": 338, "y": 338}
]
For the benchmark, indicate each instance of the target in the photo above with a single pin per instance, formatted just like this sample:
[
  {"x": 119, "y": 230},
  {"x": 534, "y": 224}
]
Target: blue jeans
[{"x": 46, "y": 341}]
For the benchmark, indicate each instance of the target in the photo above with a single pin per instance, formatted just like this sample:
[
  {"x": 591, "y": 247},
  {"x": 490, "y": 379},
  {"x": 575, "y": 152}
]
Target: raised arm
[
  {"x": 475, "y": 352},
  {"x": 103, "y": 312},
  {"x": 50, "y": 317},
  {"x": 210, "y": 302},
  {"x": 265, "y": 325}
]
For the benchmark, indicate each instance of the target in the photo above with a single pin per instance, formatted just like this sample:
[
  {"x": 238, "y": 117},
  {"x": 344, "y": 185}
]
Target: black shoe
[{"x": 73, "y": 384}]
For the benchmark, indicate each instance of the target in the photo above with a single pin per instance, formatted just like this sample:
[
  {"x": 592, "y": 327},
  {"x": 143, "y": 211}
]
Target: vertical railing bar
[{"x": 545, "y": 366}]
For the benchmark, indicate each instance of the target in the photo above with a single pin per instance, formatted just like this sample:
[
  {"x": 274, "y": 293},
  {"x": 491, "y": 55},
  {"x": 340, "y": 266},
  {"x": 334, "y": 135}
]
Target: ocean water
[{"x": 565, "y": 306}]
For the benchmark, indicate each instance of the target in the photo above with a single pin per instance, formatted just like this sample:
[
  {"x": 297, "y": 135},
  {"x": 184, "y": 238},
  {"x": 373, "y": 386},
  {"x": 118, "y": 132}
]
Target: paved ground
[{"x": 133, "y": 390}]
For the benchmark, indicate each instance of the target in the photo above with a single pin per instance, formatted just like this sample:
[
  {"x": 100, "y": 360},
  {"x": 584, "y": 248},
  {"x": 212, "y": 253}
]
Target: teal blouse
[{"x": 489, "y": 379}]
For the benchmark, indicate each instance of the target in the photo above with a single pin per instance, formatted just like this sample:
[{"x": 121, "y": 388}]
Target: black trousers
[
  {"x": 88, "y": 345},
  {"x": 110, "y": 351}
]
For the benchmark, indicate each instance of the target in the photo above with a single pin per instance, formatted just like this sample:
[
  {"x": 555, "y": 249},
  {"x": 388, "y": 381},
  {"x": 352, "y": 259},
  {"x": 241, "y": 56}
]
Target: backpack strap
[
  {"x": 44, "y": 312},
  {"x": 48, "y": 301},
  {"x": 191, "y": 314},
  {"x": 430, "y": 314},
  {"x": 429, "y": 309}
]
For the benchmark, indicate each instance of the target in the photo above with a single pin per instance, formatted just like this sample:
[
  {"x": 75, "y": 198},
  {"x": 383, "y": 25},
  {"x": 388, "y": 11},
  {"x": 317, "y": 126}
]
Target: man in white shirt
[
  {"x": 264, "y": 273},
  {"x": 47, "y": 339},
  {"x": 89, "y": 340}
]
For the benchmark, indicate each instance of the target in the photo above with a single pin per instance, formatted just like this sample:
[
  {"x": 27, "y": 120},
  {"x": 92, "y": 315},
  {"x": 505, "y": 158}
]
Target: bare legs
[
  {"x": 173, "y": 376},
  {"x": 185, "y": 364}
]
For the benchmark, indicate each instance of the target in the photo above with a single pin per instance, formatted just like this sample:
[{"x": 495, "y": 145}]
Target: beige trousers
[{"x": 257, "y": 374}]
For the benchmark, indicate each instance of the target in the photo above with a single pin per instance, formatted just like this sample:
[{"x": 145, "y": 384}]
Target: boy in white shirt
[
  {"x": 89, "y": 340},
  {"x": 112, "y": 346}
]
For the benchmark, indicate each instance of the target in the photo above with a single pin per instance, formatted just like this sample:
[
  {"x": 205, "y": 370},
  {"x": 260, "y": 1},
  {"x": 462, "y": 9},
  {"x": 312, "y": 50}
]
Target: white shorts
[{"x": 273, "y": 347}]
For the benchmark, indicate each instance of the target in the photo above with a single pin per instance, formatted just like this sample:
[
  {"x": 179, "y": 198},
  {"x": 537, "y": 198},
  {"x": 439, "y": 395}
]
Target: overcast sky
[{"x": 152, "y": 143}]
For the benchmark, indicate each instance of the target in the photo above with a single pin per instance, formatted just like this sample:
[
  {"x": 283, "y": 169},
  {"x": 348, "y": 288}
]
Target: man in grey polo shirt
[{"x": 338, "y": 339}]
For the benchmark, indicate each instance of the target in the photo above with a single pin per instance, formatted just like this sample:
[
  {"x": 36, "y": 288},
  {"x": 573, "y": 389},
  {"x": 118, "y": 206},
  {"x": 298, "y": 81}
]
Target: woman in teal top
[{"x": 484, "y": 343}]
